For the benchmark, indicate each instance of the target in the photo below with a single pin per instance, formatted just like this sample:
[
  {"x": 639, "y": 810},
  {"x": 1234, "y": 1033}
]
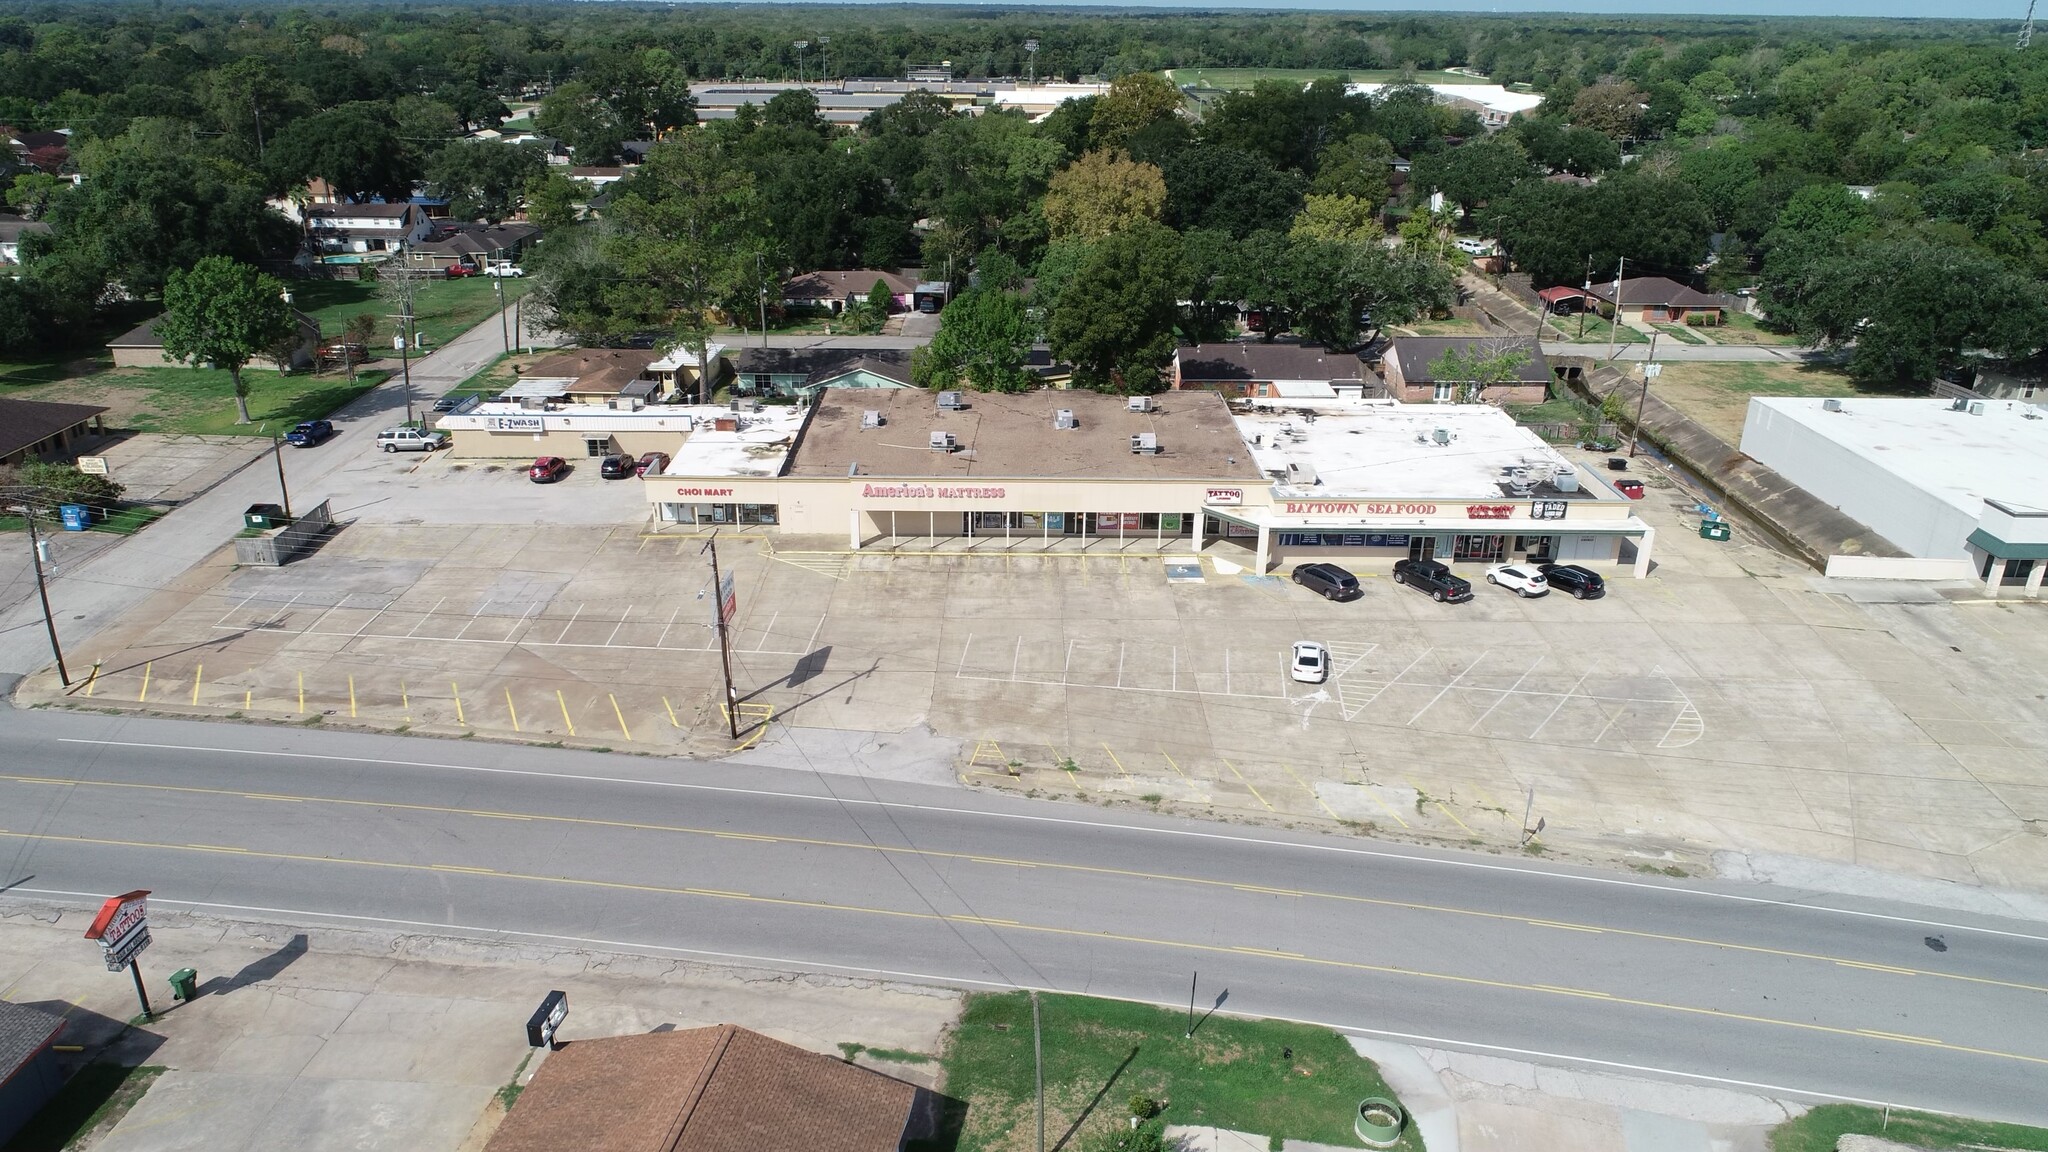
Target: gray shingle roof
[{"x": 24, "y": 1031}]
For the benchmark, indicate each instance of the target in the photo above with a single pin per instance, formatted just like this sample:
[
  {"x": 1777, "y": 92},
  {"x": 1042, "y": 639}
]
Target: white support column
[
  {"x": 1265, "y": 549},
  {"x": 1643, "y": 553},
  {"x": 2034, "y": 579},
  {"x": 1200, "y": 522},
  {"x": 1995, "y": 577},
  {"x": 853, "y": 528}
]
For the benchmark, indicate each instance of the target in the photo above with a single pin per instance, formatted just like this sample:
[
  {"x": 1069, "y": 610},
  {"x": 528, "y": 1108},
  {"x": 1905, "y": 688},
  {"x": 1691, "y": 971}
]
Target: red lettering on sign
[
  {"x": 1489, "y": 511},
  {"x": 703, "y": 491}
]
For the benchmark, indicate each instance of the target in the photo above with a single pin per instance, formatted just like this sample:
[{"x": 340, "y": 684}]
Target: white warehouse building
[{"x": 1950, "y": 479}]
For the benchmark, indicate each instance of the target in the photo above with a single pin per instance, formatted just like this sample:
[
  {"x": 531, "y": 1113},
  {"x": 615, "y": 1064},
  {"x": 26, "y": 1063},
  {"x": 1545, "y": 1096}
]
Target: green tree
[
  {"x": 223, "y": 313},
  {"x": 1229, "y": 189},
  {"x": 583, "y": 121},
  {"x": 551, "y": 198},
  {"x": 482, "y": 179},
  {"x": 1481, "y": 364},
  {"x": 1358, "y": 165},
  {"x": 983, "y": 339},
  {"x": 1132, "y": 103},
  {"x": 63, "y": 484},
  {"x": 1114, "y": 322},
  {"x": 355, "y": 148},
  {"x": 1100, "y": 193},
  {"x": 475, "y": 105},
  {"x": 1473, "y": 173},
  {"x": 1613, "y": 110}
]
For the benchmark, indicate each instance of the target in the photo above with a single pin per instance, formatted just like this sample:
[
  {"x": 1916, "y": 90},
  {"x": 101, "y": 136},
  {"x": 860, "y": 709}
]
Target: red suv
[
  {"x": 547, "y": 470},
  {"x": 652, "y": 464},
  {"x": 457, "y": 271}
]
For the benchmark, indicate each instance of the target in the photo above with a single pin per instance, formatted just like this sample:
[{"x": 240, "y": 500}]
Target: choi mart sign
[{"x": 122, "y": 928}]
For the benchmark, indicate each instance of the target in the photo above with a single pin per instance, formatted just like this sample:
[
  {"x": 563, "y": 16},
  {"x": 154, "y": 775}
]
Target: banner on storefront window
[{"x": 1169, "y": 521}]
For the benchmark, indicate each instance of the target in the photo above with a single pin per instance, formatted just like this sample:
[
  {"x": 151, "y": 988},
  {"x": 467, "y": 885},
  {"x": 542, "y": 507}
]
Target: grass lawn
[
  {"x": 1439, "y": 328},
  {"x": 1236, "y": 1074},
  {"x": 445, "y": 309},
  {"x": 1744, "y": 329},
  {"x": 99, "y": 1094},
  {"x": 1246, "y": 77},
  {"x": 1680, "y": 333},
  {"x": 1597, "y": 330},
  {"x": 1717, "y": 394},
  {"x": 201, "y": 401},
  {"x": 1818, "y": 1130}
]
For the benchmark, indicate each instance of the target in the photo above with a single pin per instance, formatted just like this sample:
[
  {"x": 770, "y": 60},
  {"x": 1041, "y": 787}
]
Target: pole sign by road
[
  {"x": 728, "y": 600},
  {"x": 122, "y": 928},
  {"x": 540, "y": 1028}
]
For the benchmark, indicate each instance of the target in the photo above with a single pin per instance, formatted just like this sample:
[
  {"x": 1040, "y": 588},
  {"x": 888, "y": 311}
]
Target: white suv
[{"x": 411, "y": 440}]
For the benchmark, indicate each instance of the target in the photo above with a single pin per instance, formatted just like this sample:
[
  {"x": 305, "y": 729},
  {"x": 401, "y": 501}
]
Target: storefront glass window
[{"x": 757, "y": 514}]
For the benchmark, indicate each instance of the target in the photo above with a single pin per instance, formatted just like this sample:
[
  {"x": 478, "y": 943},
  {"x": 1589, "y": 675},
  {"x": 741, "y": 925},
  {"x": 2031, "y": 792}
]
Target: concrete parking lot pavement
[
  {"x": 1733, "y": 701},
  {"x": 174, "y": 468},
  {"x": 322, "y": 1038}
]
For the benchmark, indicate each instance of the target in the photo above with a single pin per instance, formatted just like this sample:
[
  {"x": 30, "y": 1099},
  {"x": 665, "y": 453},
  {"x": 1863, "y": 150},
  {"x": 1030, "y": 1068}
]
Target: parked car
[
  {"x": 1443, "y": 586},
  {"x": 1328, "y": 581},
  {"x": 505, "y": 270},
  {"x": 618, "y": 466},
  {"x": 652, "y": 464},
  {"x": 547, "y": 470},
  {"x": 411, "y": 440},
  {"x": 1524, "y": 580},
  {"x": 458, "y": 271},
  {"x": 447, "y": 403},
  {"x": 309, "y": 433},
  {"x": 344, "y": 352},
  {"x": 1311, "y": 662},
  {"x": 1582, "y": 583}
]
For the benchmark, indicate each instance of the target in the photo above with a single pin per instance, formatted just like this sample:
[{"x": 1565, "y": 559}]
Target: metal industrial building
[{"x": 1960, "y": 479}]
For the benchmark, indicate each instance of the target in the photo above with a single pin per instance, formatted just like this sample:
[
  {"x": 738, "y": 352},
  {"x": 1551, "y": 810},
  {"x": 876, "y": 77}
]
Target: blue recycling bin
[{"x": 77, "y": 517}]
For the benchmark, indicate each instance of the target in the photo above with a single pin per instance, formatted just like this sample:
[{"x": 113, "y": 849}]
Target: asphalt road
[{"x": 1788, "y": 991}]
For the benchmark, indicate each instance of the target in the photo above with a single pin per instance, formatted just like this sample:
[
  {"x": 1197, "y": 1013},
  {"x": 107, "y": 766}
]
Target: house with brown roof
[
  {"x": 1410, "y": 369},
  {"x": 1280, "y": 370},
  {"x": 477, "y": 245},
  {"x": 595, "y": 375},
  {"x": 1658, "y": 300},
  {"x": 41, "y": 430},
  {"x": 834, "y": 290},
  {"x": 718, "y": 1089},
  {"x": 141, "y": 347}
]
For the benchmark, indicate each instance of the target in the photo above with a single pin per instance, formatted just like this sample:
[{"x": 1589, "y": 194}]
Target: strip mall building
[{"x": 1365, "y": 482}]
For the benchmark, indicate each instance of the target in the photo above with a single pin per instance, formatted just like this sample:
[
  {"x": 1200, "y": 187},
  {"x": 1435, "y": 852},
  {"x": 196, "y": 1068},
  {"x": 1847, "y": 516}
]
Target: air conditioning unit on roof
[
  {"x": 1064, "y": 418},
  {"x": 1139, "y": 404},
  {"x": 950, "y": 401},
  {"x": 871, "y": 419},
  {"x": 943, "y": 442},
  {"x": 1145, "y": 443}
]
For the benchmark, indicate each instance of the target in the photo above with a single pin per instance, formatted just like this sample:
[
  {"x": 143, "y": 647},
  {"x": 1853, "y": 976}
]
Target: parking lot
[{"x": 1733, "y": 700}]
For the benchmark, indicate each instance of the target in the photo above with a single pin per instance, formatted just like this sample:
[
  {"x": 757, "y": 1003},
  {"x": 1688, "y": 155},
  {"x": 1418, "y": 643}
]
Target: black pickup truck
[{"x": 1431, "y": 577}]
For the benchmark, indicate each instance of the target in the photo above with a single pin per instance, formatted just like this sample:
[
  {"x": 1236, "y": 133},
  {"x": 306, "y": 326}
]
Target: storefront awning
[{"x": 2006, "y": 551}]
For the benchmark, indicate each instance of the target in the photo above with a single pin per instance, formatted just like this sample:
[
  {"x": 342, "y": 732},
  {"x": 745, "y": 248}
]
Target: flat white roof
[
  {"x": 680, "y": 357},
  {"x": 1961, "y": 459},
  {"x": 1491, "y": 95},
  {"x": 1391, "y": 451},
  {"x": 757, "y": 448}
]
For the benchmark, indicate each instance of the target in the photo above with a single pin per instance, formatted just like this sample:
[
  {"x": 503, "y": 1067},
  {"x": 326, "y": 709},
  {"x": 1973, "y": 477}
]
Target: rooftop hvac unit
[
  {"x": 1064, "y": 418},
  {"x": 1831, "y": 405},
  {"x": 1300, "y": 474},
  {"x": 871, "y": 419},
  {"x": 950, "y": 402},
  {"x": 1139, "y": 404},
  {"x": 1976, "y": 408},
  {"x": 1565, "y": 481},
  {"x": 1959, "y": 403},
  {"x": 1145, "y": 443},
  {"x": 1441, "y": 435},
  {"x": 625, "y": 404},
  {"x": 943, "y": 442}
]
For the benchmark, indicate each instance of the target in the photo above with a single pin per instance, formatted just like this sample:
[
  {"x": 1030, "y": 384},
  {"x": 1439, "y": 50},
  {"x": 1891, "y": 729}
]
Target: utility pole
[
  {"x": 405, "y": 339},
  {"x": 1587, "y": 298},
  {"x": 1614, "y": 330},
  {"x": 761, "y": 280},
  {"x": 277, "y": 454},
  {"x": 800, "y": 46},
  {"x": 503, "y": 331},
  {"x": 732, "y": 699},
  {"x": 35, "y": 550},
  {"x": 824, "y": 58},
  {"x": 1192, "y": 982},
  {"x": 1031, "y": 54},
  {"x": 1650, "y": 370},
  {"x": 1038, "y": 1059}
]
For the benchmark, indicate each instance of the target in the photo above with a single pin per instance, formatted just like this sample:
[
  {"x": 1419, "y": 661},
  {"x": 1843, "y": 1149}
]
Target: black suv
[
  {"x": 1329, "y": 581},
  {"x": 1433, "y": 578},
  {"x": 1582, "y": 583},
  {"x": 617, "y": 467}
]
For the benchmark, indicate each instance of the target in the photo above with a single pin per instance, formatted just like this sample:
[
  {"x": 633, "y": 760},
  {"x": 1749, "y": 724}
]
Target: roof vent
[
  {"x": 1441, "y": 435},
  {"x": 1977, "y": 408},
  {"x": 1139, "y": 404},
  {"x": 1301, "y": 474},
  {"x": 943, "y": 442},
  {"x": 871, "y": 419},
  {"x": 1064, "y": 418},
  {"x": 950, "y": 402},
  {"x": 1831, "y": 405},
  {"x": 1959, "y": 404},
  {"x": 1145, "y": 443}
]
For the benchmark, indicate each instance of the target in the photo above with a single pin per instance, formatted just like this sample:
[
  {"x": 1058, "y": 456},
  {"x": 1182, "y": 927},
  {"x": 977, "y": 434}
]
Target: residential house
[
  {"x": 718, "y": 1089},
  {"x": 29, "y": 1072},
  {"x": 141, "y": 347},
  {"x": 595, "y": 375},
  {"x": 599, "y": 177},
  {"x": 363, "y": 233},
  {"x": 1282, "y": 369},
  {"x": 12, "y": 229},
  {"x": 477, "y": 245},
  {"x": 834, "y": 290},
  {"x": 1409, "y": 368},
  {"x": 798, "y": 373},
  {"x": 678, "y": 374},
  {"x": 42, "y": 430},
  {"x": 1659, "y": 300}
]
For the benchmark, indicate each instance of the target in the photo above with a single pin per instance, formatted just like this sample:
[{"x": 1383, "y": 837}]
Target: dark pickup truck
[{"x": 1429, "y": 576}]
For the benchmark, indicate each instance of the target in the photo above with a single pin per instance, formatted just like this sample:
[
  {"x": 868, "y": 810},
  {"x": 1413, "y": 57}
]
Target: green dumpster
[
  {"x": 264, "y": 516},
  {"x": 1714, "y": 530},
  {"x": 184, "y": 984}
]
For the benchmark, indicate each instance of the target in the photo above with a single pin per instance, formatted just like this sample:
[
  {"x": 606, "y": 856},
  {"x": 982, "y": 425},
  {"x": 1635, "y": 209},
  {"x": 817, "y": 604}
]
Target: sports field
[{"x": 1246, "y": 77}]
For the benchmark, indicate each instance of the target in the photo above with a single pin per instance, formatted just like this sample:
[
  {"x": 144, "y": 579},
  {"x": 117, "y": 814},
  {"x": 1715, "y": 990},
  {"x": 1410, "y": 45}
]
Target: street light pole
[{"x": 35, "y": 550}]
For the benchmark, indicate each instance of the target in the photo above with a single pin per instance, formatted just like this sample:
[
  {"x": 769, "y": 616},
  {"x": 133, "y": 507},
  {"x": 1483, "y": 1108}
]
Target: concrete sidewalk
[{"x": 372, "y": 1041}]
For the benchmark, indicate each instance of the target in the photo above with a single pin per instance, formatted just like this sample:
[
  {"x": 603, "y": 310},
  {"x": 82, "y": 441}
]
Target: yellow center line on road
[
  {"x": 198, "y": 670},
  {"x": 627, "y": 732},
  {"x": 1248, "y": 784},
  {"x": 269, "y": 796},
  {"x": 1902, "y": 1038},
  {"x": 1563, "y": 991},
  {"x": 565, "y": 712},
  {"x": 510, "y": 707},
  {"x": 208, "y": 848},
  {"x": 464, "y": 868},
  {"x": 1266, "y": 890},
  {"x": 1084, "y": 869},
  {"x": 1249, "y": 950}
]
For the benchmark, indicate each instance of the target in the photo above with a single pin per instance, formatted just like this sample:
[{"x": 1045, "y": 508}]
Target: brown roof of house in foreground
[
  {"x": 597, "y": 370},
  {"x": 838, "y": 285},
  {"x": 1251, "y": 360},
  {"x": 718, "y": 1089},
  {"x": 1653, "y": 291},
  {"x": 25, "y": 423}
]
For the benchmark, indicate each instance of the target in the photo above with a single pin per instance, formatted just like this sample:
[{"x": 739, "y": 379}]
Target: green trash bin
[
  {"x": 1714, "y": 530},
  {"x": 184, "y": 984}
]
